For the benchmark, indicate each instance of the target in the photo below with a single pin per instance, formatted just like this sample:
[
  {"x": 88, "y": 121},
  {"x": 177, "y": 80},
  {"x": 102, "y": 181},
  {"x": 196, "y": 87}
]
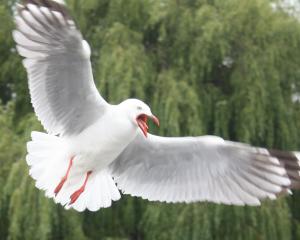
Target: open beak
[{"x": 142, "y": 122}]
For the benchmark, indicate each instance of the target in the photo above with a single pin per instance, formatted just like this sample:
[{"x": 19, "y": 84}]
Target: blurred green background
[{"x": 224, "y": 67}]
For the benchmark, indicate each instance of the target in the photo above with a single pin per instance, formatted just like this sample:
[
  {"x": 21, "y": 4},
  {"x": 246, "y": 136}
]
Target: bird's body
[
  {"x": 92, "y": 148},
  {"x": 100, "y": 143}
]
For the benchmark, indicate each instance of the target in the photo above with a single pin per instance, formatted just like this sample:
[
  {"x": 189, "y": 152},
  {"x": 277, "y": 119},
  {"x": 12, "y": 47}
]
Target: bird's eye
[{"x": 139, "y": 108}]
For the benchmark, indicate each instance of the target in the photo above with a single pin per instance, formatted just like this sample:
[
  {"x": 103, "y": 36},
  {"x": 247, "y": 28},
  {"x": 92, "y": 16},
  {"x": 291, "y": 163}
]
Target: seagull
[{"x": 93, "y": 150}]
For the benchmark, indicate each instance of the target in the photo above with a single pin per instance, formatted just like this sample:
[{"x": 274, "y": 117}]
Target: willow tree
[{"x": 228, "y": 68}]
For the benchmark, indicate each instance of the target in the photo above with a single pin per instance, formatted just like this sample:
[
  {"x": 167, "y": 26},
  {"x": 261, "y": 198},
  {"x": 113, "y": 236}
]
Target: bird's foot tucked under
[
  {"x": 64, "y": 179},
  {"x": 60, "y": 185},
  {"x": 76, "y": 194}
]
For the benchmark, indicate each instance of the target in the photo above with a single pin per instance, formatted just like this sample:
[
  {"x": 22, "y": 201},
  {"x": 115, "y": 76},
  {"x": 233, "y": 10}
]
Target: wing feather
[
  {"x": 57, "y": 60},
  {"x": 203, "y": 168}
]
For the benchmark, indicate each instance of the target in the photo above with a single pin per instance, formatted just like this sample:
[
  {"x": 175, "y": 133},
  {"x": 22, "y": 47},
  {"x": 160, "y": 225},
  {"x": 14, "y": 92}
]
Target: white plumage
[{"x": 91, "y": 145}]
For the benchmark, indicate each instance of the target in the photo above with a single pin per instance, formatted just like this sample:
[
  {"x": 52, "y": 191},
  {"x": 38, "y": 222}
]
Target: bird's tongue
[{"x": 142, "y": 123}]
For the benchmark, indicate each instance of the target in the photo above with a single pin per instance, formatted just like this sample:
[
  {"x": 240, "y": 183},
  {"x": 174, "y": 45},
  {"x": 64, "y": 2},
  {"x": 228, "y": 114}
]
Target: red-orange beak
[{"x": 142, "y": 122}]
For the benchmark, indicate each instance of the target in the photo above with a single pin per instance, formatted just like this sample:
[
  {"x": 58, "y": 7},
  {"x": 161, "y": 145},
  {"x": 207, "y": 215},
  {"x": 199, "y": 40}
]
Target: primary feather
[
  {"x": 203, "y": 168},
  {"x": 57, "y": 60}
]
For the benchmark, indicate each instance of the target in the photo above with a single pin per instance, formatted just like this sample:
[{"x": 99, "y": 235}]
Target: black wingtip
[
  {"x": 51, "y": 5},
  {"x": 291, "y": 163}
]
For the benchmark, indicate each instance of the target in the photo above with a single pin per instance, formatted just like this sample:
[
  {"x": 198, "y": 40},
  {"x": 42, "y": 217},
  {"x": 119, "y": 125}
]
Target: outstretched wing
[
  {"x": 57, "y": 60},
  {"x": 203, "y": 168}
]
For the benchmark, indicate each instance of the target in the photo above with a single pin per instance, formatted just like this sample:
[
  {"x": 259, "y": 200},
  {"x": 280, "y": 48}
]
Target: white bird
[{"x": 93, "y": 148}]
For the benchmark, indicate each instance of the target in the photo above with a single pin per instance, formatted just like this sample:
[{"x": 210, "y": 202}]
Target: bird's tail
[{"x": 49, "y": 158}]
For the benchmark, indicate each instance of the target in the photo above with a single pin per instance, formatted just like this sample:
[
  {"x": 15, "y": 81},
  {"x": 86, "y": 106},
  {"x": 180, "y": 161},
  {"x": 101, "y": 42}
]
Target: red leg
[
  {"x": 64, "y": 179},
  {"x": 77, "y": 193}
]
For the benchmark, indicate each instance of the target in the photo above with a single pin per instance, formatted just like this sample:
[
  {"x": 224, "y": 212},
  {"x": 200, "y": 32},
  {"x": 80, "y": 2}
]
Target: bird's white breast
[{"x": 98, "y": 145}]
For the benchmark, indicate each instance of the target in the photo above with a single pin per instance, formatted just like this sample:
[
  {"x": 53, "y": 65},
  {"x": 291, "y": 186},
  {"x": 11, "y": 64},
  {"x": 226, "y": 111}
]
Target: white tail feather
[{"x": 48, "y": 158}]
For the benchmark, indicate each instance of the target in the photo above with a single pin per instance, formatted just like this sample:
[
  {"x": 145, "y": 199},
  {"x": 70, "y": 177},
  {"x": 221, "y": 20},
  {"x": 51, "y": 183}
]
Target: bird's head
[{"x": 139, "y": 112}]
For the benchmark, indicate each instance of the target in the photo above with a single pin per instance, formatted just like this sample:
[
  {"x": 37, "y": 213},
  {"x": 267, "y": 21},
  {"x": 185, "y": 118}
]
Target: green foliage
[{"x": 228, "y": 68}]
